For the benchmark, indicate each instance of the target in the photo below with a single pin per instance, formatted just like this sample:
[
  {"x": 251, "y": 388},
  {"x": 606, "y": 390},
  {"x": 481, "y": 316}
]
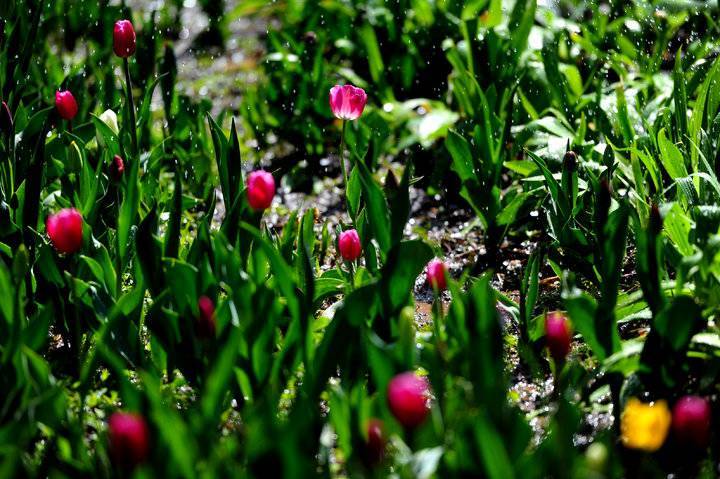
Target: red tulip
[
  {"x": 124, "y": 39},
  {"x": 375, "y": 446},
  {"x": 66, "y": 105},
  {"x": 205, "y": 326},
  {"x": 691, "y": 421},
  {"x": 129, "y": 439},
  {"x": 349, "y": 245},
  {"x": 436, "y": 274},
  {"x": 347, "y": 102},
  {"x": 117, "y": 167},
  {"x": 558, "y": 335},
  {"x": 260, "y": 189},
  {"x": 65, "y": 229},
  {"x": 408, "y": 398}
]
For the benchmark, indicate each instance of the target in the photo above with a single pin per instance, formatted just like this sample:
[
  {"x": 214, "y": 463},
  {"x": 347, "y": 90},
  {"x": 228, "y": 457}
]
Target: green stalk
[
  {"x": 342, "y": 155},
  {"x": 131, "y": 110}
]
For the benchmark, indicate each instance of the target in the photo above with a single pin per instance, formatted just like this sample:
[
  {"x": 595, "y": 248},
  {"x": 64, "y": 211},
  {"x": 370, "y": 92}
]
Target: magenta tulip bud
[
  {"x": 66, "y": 105},
  {"x": 349, "y": 245},
  {"x": 558, "y": 335},
  {"x": 408, "y": 398},
  {"x": 65, "y": 229},
  {"x": 347, "y": 102},
  {"x": 691, "y": 421},
  {"x": 124, "y": 39},
  {"x": 205, "y": 326},
  {"x": 260, "y": 190},
  {"x": 117, "y": 168},
  {"x": 129, "y": 439},
  {"x": 436, "y": 274},
  {"x": 375, "y": 446}
]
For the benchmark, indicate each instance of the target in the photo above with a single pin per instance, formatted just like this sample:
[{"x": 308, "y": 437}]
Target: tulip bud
[
  {"x": 644, "y": 426},
  {"x": 117, "y": 168},
  {"x": 436, "y": 271},
  {"x": 375, "y": 446},
  {"x": 408, "y": 399},
  {"x": 205, "y": 325},
  {"x": 260, "y": 190},
  {"x": 691, "y": 421},
  {"x": 66, "y": 105},
  {"x": 570, "y": 161},
  {"x": 124, "y": 39},
  {"x": 347, "y": 102},
  {"x": 109, "y": 117},
  {"x": 557, "y": 335},
  {"x": 65, "y": 229},
  {"x": 129, "y": 439},
  {"x": 6, "y": 119},
  {"x": 349, "y": 245}
]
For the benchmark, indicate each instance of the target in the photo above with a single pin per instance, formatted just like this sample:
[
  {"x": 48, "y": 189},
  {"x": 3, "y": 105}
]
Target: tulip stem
[
  {"x": 342, "y": 154},
  {"x": 131, "y": 109}
]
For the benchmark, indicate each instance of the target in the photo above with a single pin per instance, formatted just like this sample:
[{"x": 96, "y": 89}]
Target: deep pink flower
[
  {"x": 349, "y": 245},
  {"x": 436, "y": 274},
  {"x": 117, "y": 167},
  {"x": 205, "y": 326},
  {"x": 124, "y": 39},
  {"x": 65, "y": 229},
  {"x": 260, "y": 189},
  {"x": 558, "y": 335},
  {"x": 375, "y": 446},
  {"x": 408, "y": 398},
  {"x": 347, "y": 102},
  {"x": 66, "y": 105},
  {"x": 129, "y": 439},
  {"x": 691, "y": 421}
]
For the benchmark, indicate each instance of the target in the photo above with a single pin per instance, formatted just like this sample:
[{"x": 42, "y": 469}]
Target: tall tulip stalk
[
  {"x": 347, "y": 102},
  {"x": 124, "y": 47}
]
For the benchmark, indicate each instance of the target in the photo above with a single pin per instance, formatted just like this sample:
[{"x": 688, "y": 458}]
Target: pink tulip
[
  {"x": 349, "y": 245},
  {"x": 117, "y": 167},
  {"x": 691, "y": 421},
  {"x": 260, "y": 189},
  {"x": 347, "y": 102},
  {"x": 205, "y": 326},
  {"x": 124, "y": 39},
  {"x": 66, "y": 105},
  {"x": 375, "y": 446},
  {"x": 408, "y": 396},
  {"x": 558, "y": 335},
  {"x": 436, "y": 274},
  {"x": 65, "y": 229},
  {"x": 129, "y": 439}
]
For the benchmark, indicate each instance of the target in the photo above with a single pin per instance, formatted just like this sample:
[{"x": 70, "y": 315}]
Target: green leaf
[
  {"x": 582, "y": 308},
  {"x": 377, "y": 208},
  {"x": 172, "y": 235},
  {"x": 403, "y": 265},
  {"x": 671, "y": 157}
]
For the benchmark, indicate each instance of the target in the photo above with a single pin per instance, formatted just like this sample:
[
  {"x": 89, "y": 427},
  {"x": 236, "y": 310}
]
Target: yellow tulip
[{"x": 645, "y": 426}]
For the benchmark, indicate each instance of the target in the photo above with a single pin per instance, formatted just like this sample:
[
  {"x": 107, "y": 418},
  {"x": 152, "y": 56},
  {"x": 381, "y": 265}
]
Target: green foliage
[{"x": 588, "y": 130}]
